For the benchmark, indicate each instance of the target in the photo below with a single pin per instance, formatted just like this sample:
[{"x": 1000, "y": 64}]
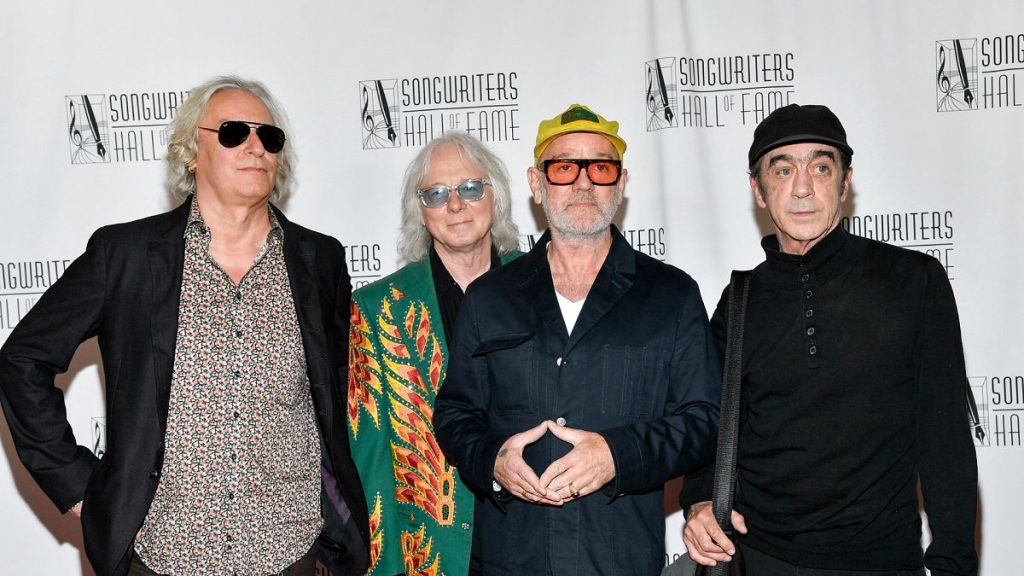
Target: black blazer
[
  {"x": 639, "y": 368},
  {"x": 125, "y": 289}
]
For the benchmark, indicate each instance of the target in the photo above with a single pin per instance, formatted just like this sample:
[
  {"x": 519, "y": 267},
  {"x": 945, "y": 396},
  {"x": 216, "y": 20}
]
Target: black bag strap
[{"x": 728, "y": 427}]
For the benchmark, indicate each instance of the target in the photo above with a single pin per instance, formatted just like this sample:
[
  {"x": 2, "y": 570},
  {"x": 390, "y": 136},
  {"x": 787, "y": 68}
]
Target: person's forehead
[
  {"x": 802, "y": 151},
  {"x": 235, "y": 104},
  {"x": 581, "y": 144},
  {"x": 450, "y": 156},
  {"x": 449, "y": 160}
]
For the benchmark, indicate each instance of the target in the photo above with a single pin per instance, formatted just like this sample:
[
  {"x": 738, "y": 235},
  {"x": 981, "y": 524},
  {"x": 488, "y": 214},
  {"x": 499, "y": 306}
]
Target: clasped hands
[{"x": 584, "y": 470}]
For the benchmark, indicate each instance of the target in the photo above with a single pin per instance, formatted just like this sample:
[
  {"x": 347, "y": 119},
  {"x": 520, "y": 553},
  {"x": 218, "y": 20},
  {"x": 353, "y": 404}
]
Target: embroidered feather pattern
[
  {"x": 363, "y": 372},
  {"x": 416, "y": 552},
  {"x": 423, "y": 477},
  {"x": 376, "y": 533}
]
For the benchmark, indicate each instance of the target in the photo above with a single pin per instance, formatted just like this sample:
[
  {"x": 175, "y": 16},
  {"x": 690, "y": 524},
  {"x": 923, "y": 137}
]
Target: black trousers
[
  {"x": 760, "y": 564},
  {"x": 305, "y": 566}
]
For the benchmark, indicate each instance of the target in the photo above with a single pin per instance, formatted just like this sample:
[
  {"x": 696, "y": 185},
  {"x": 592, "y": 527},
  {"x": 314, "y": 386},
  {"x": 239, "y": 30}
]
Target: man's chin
[{"x": 583, "y": 230}]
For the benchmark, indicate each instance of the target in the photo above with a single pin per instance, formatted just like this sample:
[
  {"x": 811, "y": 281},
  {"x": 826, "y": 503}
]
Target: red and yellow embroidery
[
  {"x": 376, "y": 533},
  {"x": 363, "y": 372},
  {"x": 416, "y": 553},
  {"x": 396, "y": 366},
  {"x": 423, "y": 477}
]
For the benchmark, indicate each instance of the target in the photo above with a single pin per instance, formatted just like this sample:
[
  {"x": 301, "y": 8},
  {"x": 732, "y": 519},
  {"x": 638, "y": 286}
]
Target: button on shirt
[{"x": 239, "y": 487}]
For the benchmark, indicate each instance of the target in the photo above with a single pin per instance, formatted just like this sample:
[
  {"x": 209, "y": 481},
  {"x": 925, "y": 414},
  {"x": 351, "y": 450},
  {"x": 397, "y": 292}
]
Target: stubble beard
[{"x": 572, "y": 231}]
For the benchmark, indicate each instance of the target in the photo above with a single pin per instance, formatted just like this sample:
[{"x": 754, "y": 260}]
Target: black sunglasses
[{"x": 233, "y": 132}]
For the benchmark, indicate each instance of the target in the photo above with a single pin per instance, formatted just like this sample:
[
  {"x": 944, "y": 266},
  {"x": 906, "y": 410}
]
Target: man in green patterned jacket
[{"x": 456, "y": 225}]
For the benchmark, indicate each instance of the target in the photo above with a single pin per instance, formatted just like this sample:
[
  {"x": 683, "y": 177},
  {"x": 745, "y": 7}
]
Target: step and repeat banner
[{"x": 931, "y": 94}]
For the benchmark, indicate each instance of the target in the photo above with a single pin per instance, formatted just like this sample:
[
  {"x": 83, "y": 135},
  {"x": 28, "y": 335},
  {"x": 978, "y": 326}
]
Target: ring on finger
[{"x": 573, "y": 490}]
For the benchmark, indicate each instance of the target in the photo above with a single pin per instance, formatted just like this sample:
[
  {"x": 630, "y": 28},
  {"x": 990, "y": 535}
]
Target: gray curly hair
[
  {"x": 183, "y": 143},
  {"x": 414, "y": 243}
]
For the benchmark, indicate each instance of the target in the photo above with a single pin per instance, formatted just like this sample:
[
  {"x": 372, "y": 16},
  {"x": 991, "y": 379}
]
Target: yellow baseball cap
[{"x": 577, "y": 118}]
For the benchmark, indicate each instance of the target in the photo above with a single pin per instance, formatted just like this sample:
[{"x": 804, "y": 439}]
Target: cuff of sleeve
[
  {"x": 627, "y": 460},
  {"x": 487, "y": 483},
  {"x": 77, "y": 505},
  {"x": 610, "y": 491},
  {"x": 697, "y": 487},
  {"x": 499, "y": 495},
  {"x": 66, "y": 486}
]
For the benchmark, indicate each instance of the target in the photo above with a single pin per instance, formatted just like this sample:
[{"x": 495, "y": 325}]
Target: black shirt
[
  {"x": 449, "y": 294},
  {"x": 854, "y": 388}
]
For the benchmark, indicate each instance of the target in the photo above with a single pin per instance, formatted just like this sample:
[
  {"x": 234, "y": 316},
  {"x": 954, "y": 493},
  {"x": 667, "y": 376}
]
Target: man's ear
[
  {"x": 536, "y": 180},
  {"x": 846, "y": 184},
  {"x": 758, "y": 194}
]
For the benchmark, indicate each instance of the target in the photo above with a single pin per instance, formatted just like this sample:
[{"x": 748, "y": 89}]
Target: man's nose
[
  {"x": 455, "y": 202},
  {"x": 803, "y": 185},
  {"x": 253, "y": 144},
  {"x": 583, "y": 181}
]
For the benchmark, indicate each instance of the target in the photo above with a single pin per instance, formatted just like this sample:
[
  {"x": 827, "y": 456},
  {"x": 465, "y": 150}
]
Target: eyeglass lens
[
  {"x": 565, "y": 171},
  {"x": 234, "y": 132},
  {"x": 470, "y": 191}
]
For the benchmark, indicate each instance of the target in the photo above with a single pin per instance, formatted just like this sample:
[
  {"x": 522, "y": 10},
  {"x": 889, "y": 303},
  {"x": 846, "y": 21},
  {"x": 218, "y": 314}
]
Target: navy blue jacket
[{"x": 640, "y": 368}]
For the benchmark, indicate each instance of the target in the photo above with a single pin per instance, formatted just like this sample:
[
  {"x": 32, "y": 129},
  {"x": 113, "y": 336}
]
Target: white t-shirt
[{"x": 570, "y": 310}]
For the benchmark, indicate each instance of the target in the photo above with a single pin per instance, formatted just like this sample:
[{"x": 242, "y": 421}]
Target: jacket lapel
[
  {"x": 538, "y": 285},
  {"x": 166, "y": 255},
  {"x": 300, "y": 260},
  {"x": 612, "y": 282}
]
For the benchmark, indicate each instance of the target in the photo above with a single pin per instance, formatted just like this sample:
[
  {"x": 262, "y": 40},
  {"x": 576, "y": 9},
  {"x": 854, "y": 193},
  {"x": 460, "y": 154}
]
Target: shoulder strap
[{"x": 728, "y": 431}]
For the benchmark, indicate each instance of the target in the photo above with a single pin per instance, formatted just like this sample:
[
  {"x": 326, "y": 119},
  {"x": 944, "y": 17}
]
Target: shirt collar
[
  {"x": 443, "y": 280},
  {"x": 827, "y": 259},
  {"x": 621, "y": 257},
  {"x": 196, "y": 225}
]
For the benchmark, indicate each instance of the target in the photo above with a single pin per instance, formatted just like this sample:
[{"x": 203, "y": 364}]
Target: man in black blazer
[
  {"x": 223, "y": 332},
  {"x": 582, "y": 377}
]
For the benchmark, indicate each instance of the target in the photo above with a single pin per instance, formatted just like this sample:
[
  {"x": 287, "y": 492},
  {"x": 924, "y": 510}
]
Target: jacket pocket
[
  {"x": 511, "y": 372},
  {"x": 631, "y": 380}
]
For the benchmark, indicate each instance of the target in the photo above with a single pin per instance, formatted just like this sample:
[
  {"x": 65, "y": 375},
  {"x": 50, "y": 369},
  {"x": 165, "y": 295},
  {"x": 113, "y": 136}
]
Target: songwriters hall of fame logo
[
  {"x": 88, "y": 132},
  {"x": 661, "y": 94},
  {"x": 716, "y": 91},
  {"x": 119, "y": 127},
  {"x": 379, "y": 110},
  {"x": 412, "y": 111},
  {"x": 956, "y": 76},
  {"x": 995, "y": 406}
]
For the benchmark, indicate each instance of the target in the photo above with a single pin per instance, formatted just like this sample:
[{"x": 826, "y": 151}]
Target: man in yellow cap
[{"x": 582, "y": 377}]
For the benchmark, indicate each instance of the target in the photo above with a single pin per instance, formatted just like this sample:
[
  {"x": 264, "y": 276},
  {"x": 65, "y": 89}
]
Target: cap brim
[
  {"x": 796, "y": 138},
  {"x": 617, "y": 142}
]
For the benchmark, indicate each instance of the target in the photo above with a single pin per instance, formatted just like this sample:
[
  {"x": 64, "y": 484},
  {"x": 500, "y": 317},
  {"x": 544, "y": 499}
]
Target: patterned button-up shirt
[{"x": 239, "y": 490}]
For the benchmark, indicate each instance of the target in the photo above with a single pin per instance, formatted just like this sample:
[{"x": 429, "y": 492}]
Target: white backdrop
[{"x": 932, "y": 95}]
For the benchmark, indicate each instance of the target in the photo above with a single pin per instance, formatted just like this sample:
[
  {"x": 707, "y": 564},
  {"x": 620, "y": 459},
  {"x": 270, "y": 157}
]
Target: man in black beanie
[{"x": 853, "y": 385}]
